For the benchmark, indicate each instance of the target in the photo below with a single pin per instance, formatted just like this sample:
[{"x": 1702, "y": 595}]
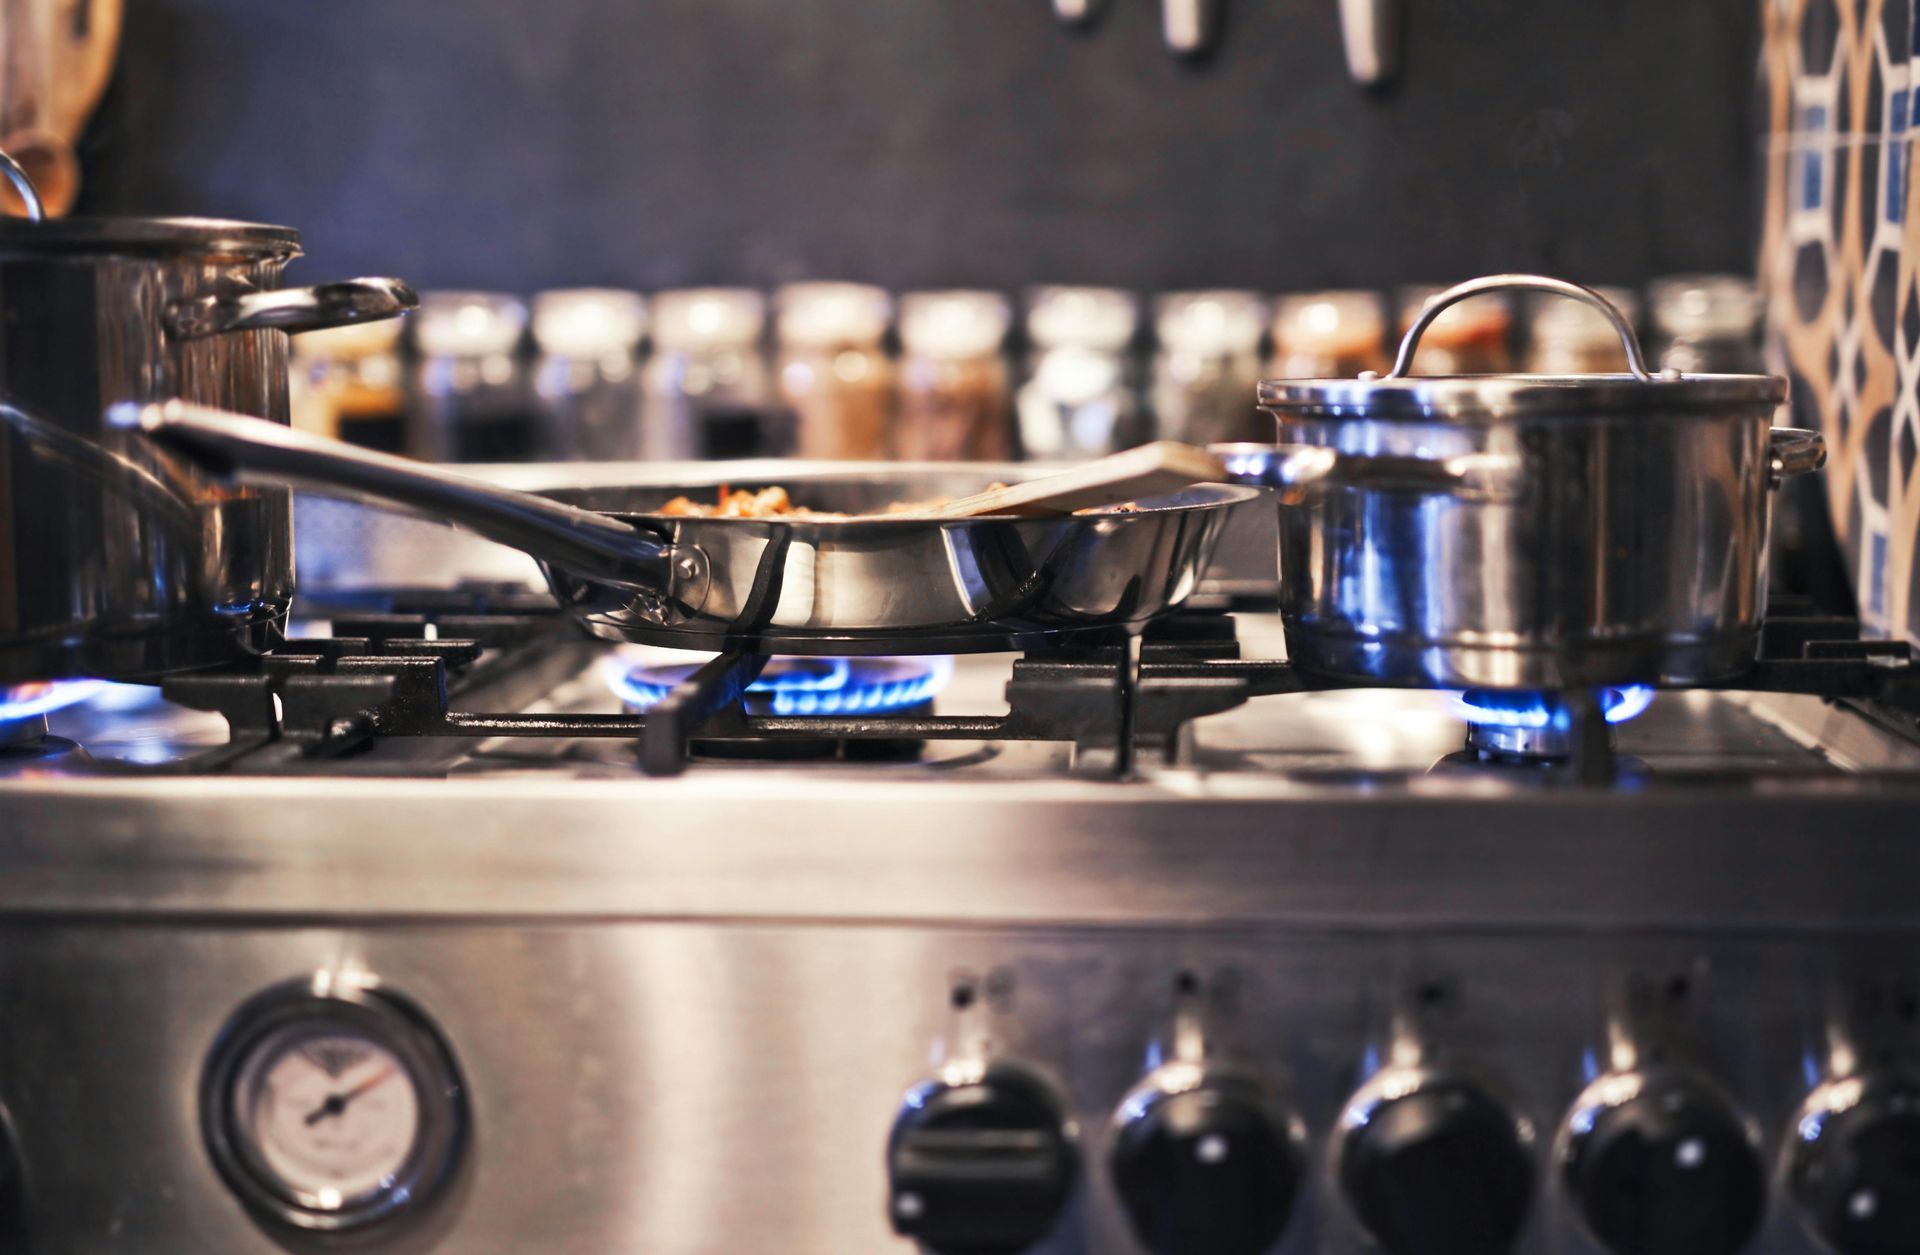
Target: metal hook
[{"x": 23, "y": 183}]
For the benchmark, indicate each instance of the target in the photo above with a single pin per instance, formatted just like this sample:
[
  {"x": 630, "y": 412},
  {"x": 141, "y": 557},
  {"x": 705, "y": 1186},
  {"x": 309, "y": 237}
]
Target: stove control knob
[
  {"x": 981, "y": 1161},
  {"x": 1853, "y": 1164},
  {"x": 1206, "y": 1162},
  {"x": 1660, "y": 1164},
  {"x": 1433, "y": 1164}
]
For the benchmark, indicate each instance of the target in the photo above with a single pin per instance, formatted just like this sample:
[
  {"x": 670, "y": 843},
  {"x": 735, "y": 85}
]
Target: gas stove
[{"x": 444, "y": 925}]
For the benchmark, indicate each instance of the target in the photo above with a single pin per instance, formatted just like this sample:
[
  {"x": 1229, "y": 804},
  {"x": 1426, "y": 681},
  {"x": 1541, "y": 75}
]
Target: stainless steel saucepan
[
  {"x": 791, "y": 586},
  {"x": 1526, "y": 531},
  {"x": 114, "y": 560}
]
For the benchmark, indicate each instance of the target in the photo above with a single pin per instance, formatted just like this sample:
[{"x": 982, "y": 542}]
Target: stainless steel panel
[{"x": 692, "y": 1089}]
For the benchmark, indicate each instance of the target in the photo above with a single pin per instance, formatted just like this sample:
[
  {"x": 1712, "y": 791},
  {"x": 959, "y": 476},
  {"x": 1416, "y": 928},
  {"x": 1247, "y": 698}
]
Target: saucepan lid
[
  {"x": 1400, "y": 394},
  {"x": 38, "y": 235}
]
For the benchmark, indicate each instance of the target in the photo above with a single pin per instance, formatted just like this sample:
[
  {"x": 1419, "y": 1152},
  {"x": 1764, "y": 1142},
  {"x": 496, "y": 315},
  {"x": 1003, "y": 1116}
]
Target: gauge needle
[{"x": 337, "y": 1103}]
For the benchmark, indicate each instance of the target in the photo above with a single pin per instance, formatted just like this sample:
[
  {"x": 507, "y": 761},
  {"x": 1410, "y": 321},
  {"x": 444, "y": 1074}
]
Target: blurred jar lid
[
  {"x": 1710, "y": 306},
  {"x": 957, "y": 323},
  {"x": 1558, "y": 320},
  {"x": 1329, "y": 324},
  {"x": 588, "y": 322},
  {"x": 1474, "y": 320},
  {"x": 1083, "y": 318},
  {"x": 468, "y": 324},
  {"x": 825, "y": 315},
  {"x": 708, "y": 318},
  {"x": 1213, "y": 323},
  {"x": 352, "y": 342}
]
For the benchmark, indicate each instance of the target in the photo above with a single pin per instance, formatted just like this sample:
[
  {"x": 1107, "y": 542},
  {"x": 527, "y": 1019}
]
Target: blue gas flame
[
  {"x": 1537, "y": 710},
  {"x": 806, "y": 686},
  {"x": 28, "y": 700}
]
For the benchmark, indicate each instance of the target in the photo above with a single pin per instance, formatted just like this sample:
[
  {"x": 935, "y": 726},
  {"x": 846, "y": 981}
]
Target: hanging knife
[
  {"x": 1371, "y": 29},
  {"x": 1189, "y": 25}
]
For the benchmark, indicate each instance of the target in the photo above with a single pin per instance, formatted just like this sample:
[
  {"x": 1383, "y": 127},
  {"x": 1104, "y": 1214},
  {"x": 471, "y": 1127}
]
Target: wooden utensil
[
  {"x": 1151, "y": 469},
  {"x": 86, "y": 34}
]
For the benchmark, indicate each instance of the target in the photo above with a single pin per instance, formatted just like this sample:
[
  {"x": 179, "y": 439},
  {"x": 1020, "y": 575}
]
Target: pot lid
[
  {"x": 20, "y": 237},
  {"x": 1402, "y": 395},
  {"x": 38, "y": 235}
]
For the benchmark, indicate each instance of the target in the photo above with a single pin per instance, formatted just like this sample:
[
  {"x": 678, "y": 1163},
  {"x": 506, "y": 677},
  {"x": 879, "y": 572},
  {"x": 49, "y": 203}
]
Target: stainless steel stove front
[
  {"x": 683, "y": 1015},
  {"x": 686, "y": 1012}
]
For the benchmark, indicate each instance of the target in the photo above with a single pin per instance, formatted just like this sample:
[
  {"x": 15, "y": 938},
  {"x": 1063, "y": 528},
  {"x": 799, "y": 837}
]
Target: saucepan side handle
[
  {"x": 589, "y": 544},
  {"x": 292, "y": 309},
  {"x": 1793, "y": 451},
  {"x": 1300, "y": 468}
]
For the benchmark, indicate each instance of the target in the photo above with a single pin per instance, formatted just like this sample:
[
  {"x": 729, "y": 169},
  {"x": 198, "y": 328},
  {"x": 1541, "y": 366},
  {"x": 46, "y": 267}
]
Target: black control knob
[
  {"x": 981, "y": 1165},
  {"x": 1435, "y": 1165},
  {"x": 1854, "y": 1164},
  {"x": 1661, "y": 1164},
  {"x": 1206, "y": 1164}
]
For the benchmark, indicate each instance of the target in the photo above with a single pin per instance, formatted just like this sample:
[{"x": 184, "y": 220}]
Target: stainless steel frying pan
[{"x": 860, "y": 586}]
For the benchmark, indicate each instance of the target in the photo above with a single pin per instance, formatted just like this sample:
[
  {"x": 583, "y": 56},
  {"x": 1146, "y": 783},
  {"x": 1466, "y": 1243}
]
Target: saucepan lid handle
[{"x": 1441, "y": 301}]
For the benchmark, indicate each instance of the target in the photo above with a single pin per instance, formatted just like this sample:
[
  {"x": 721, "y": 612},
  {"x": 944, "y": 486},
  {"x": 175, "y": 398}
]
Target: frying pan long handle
[{"x": 580, "y": 541}]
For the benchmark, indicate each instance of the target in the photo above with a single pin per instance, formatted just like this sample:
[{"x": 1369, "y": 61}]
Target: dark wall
[{"x": 521, "y": 144}]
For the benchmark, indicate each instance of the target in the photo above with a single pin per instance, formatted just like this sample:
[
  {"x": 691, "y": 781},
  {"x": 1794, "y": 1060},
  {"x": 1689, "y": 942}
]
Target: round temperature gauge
[{"x": 329, "y": 1105}]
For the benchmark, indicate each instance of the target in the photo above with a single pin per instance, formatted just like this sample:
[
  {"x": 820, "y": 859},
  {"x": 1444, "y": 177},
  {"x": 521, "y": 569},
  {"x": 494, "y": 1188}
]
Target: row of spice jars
[{"x": 835, "y": 391}]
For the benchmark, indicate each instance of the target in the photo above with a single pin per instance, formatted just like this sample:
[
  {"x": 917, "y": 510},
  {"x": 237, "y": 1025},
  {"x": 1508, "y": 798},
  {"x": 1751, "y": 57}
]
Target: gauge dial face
[
  {"x": 332, "y": 1115},
  {"x": 332, "y": 1109}
]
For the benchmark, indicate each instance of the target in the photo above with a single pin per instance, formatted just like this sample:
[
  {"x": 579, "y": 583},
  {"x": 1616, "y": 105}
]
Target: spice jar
[
  {"x": 834, "y": 371},
  {"x": 1706, "y": 324},
  {"x": 1329, "y": 335},
  {"x": 1079, "y": 399},
  {"x": 954, "y": 402},
  {"x": 472, "y": 403},
  {"x": 1207, "y": 366},
  {"x": 706, "y": 391},
  {"x": 586, "y": 376},
  {"x": 1472, "y": 337},
  {"x": 347, "y": 383},
  {"x": 1573, "y": 338}
]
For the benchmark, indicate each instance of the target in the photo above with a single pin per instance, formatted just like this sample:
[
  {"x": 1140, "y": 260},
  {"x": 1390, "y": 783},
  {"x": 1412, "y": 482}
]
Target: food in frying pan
[
  {"x": 774, "y": 503},
  {"x": 742, "y": 503}
]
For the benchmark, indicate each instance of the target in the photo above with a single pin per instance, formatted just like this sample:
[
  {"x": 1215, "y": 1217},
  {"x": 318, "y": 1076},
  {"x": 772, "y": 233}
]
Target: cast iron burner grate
[{"x": 399, "y": 674}]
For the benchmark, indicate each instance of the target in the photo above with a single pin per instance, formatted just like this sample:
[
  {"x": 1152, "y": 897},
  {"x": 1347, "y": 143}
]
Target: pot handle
[
  {"x": 591, "y": 544},
  {"x": 292, "y": 310},
  {"x": 1438, "y": 303},
  {"x": 1793, "y": 451},
  {"x": 115, "y": 472},
  {"x": 1469, "y": 476}
]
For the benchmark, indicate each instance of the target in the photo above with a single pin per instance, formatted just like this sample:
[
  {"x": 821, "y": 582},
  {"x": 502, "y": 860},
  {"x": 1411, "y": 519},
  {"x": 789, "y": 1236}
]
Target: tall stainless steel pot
[
  {"x": 1526, "y": 531},
  {"x": 116, "y": 559}
]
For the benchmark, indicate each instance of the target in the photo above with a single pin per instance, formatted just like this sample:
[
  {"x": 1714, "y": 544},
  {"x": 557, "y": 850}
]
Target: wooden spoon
[
  {"x": 1162, "y": 467},
  {"x": 86, "y": 34}
]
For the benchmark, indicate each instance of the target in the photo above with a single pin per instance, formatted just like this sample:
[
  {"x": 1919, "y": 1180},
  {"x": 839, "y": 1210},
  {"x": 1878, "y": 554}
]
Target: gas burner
[
  {"x": 802, "y": 686},
  {"x": 24, "y": 709},
  {"x": 1538, "y": 727}
]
